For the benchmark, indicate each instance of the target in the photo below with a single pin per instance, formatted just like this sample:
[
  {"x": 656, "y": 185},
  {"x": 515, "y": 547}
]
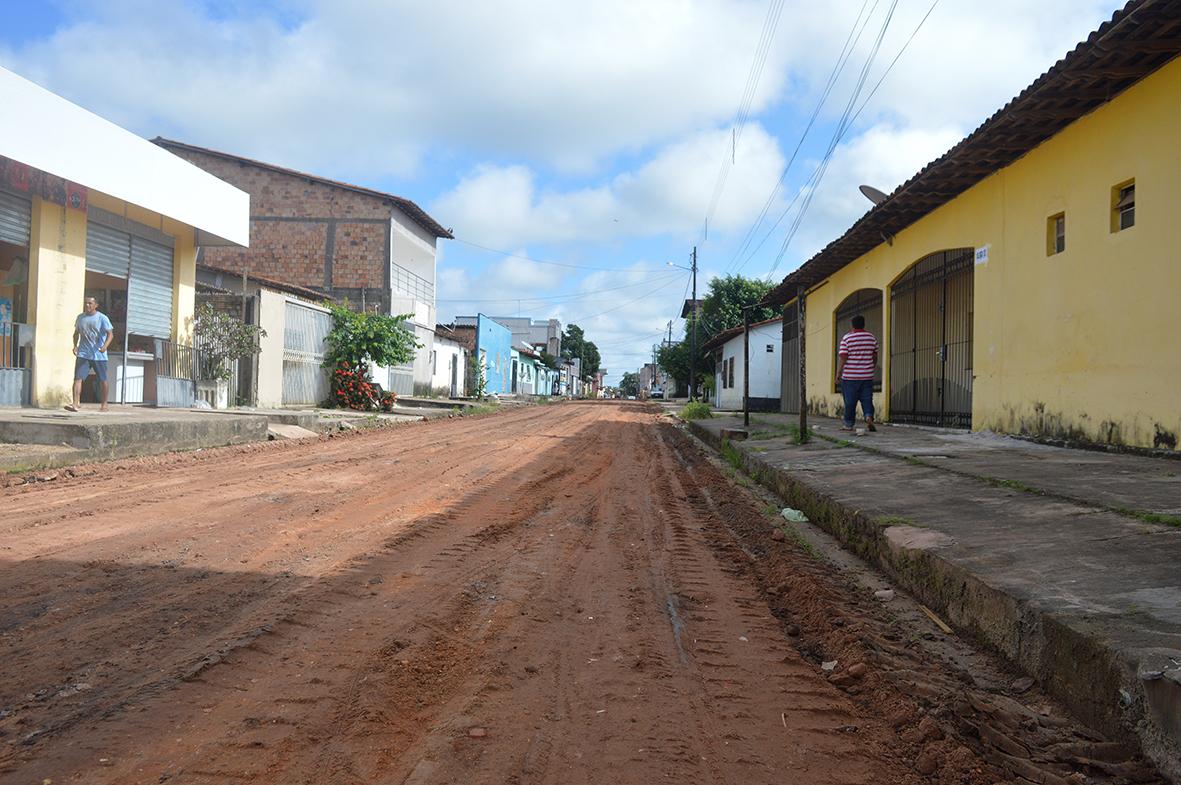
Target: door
[
  {"x": 789, "y": 385},
  {"x": 455, "y": 376},
  {"x": 931, "y": 341}
]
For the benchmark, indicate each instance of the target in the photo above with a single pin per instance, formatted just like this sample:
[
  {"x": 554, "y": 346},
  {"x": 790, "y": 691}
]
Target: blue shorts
[{"x": 82, "y": 368}]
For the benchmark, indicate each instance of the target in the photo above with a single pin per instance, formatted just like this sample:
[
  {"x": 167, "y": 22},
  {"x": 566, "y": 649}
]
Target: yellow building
[
  {"x": 89, "y": 209},
  {"x": 1026, "y": 281}
]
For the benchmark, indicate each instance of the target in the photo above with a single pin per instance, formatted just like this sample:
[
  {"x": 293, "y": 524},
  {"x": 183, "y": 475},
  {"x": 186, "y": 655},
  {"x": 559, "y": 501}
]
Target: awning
[{"x": 65, "y": 140}]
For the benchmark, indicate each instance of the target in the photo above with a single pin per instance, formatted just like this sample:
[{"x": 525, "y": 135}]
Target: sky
[{"x": 579, "y": 151}]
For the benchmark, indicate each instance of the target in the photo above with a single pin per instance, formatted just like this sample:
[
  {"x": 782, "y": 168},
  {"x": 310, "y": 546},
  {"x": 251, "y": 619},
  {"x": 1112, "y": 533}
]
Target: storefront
[
  {"x": 89, "y": 209},
  {"x": 15, "y": 335}
]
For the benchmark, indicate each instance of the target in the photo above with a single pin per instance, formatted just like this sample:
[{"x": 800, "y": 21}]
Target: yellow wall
[
  {"x": 1078, "y": 344},
  {"x": 57, "y": 273}
]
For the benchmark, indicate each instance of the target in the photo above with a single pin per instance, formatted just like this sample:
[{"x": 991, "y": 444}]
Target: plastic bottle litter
[{"x": 795, "y": 516}]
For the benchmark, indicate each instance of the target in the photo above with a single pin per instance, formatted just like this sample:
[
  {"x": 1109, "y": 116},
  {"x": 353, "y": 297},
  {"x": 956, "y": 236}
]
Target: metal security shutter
[
  {"x": 149, "y": 289},
  {"x": 15, "y": 219},
  {"x": 108, "y": 251}
]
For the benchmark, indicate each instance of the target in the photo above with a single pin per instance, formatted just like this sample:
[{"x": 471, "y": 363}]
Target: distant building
[{"x": 541, "y": 334}]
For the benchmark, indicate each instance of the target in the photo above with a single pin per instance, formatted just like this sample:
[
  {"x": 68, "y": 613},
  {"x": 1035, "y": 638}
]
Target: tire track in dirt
[
  {"x": 107, "y": 687},
  {"x": 562, "y": 596}
]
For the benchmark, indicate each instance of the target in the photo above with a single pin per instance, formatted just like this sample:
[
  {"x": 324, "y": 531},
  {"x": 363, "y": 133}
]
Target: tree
[
  {"x": 674, "y": 359},
  {"x": 630, "y": 384},
  {"x": 548, "y": 360},
  {"x": 720, "y": 310},
  {"x": 221, "y": 339},
  {"x": 357, "y": 338},
  {"x": 723, "y": 304},
  {"x": 574, "y": 344}
]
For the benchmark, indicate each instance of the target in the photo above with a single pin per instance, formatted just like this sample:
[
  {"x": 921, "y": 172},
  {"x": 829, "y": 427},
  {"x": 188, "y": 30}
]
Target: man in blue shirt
[{"x": 93, "y": 333}]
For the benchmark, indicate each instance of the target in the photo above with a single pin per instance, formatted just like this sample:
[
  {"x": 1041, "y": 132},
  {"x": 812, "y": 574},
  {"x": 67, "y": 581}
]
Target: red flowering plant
[{"x": 356, "y": 339}]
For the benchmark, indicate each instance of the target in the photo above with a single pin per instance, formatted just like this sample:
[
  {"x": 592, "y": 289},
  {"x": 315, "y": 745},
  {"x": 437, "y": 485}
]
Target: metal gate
[
  {"x": 931, "y": 341},
  {"x": 305, "y": 380},
  {"x": 789, "y": 383}
]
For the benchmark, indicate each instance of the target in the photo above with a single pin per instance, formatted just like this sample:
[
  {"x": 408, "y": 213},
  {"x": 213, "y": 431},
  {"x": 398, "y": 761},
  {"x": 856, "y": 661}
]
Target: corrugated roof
[
  {"x": 1140, "y": 38},
  {"x": 416, "y": 213},
  {"x": 726, "y": 335}
]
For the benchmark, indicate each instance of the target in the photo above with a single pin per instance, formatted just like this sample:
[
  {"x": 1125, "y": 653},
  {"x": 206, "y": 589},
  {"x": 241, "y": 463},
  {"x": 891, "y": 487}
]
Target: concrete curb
[
  {"x": 90, "y": 441},
  {"x": 1079, "y": 669}
]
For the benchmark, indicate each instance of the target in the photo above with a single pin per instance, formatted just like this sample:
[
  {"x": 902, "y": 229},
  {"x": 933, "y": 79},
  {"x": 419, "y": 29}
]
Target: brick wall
[{"x": 306, "y": 232}]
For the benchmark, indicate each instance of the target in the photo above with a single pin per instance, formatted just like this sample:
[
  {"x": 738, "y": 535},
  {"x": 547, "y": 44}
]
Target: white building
[
  {"x": 449, "y": 364},
  {"x": 766, "y": 345}
]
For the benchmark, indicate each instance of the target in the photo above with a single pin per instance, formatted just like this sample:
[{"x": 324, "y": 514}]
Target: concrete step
[{"x": 283, "y": 431}]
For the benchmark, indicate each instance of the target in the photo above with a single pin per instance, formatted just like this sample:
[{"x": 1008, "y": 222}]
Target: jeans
[{"x": 856, "y": 390}]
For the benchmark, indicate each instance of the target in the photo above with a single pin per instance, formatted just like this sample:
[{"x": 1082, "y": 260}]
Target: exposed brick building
[{"x": 354, "y": 244}]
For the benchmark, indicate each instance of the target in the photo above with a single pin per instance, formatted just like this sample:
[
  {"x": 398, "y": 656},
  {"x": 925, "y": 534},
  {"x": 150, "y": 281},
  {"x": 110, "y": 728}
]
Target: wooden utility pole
[
  {"x": 693, "y": 341},
  {"x": 803, "y": 341},
  {"x": 746, "y": 366}
]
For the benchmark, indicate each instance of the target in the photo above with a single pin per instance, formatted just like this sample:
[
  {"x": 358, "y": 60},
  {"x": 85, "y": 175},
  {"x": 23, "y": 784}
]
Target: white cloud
[
  {"x": 364, "y": 86},
  {"x": 668, "y": 194},
  {"x": 884, "y": 157},
  {"x": 367, "y": 88}
]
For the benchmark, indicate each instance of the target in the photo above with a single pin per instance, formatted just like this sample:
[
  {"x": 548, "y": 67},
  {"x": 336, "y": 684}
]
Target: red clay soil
[{"x": 563, "y": 594}]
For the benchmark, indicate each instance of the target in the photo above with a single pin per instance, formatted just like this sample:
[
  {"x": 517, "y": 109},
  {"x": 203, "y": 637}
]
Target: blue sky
[{"x": 575, "y": 148}]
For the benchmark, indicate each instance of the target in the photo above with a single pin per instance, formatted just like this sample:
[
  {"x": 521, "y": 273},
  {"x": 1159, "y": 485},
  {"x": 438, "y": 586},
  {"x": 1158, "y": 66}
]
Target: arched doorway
[
  {"x": 867, "y": 303},
  {"x": 931, "y": 341}
]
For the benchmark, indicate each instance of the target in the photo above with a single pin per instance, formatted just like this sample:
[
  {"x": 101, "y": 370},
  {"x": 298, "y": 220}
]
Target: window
[
  {"x": 1123, "y": 206},
  {"x": 1056, "y": 234},
  {"x": 731, "y": 371},
  {"x": 771, "y": 348}
]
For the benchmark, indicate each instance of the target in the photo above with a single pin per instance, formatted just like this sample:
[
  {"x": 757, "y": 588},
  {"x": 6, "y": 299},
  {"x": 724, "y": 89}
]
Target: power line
[
  {"x": 843, "y": 124},
  {"x": 843, "y": 128},
  {"x": 838, "y": 67},
  {"x": 623, "y": 305},
  {"x": 770, "y": 25}
]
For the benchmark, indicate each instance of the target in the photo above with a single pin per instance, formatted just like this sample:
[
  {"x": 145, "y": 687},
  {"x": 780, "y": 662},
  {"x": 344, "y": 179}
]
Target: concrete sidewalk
[{"x": 1068, "y": 562}]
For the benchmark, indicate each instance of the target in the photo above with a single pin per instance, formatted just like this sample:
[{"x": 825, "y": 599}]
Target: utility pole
[
  {"x": 803, "y": 339},
  {"x": 693, "y": 342},
  {"x": 746, "y": 366}
]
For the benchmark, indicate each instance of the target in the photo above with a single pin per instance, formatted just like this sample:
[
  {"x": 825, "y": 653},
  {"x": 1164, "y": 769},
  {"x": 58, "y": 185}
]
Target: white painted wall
[
  {"x": 64, "y": 139},
  {"x": 445, "y": 349},
  {"x": 765, "y": 365},
  {"x": 415, "y": 249},
  {"x": 272, "y": 317}
]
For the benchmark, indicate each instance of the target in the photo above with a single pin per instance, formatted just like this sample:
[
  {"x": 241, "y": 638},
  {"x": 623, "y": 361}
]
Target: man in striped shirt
[{"x": 856, "y": 360}]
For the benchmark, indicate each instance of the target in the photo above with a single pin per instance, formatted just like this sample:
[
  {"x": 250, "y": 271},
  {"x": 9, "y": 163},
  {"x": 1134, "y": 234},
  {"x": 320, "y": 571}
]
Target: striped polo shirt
[{"x": 860, "y": 348}]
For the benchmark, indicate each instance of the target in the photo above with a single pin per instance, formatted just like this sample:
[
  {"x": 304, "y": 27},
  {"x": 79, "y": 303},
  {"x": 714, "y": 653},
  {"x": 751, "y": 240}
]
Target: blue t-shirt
[{"x": 92, "y": 334}]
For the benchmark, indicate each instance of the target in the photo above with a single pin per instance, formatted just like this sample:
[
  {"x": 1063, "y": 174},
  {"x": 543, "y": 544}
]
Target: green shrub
[{"x": 696, "y": 410}]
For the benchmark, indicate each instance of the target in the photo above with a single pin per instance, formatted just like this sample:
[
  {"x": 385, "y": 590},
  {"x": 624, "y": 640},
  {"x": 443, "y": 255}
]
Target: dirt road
[{"x": 551, "y": 595}]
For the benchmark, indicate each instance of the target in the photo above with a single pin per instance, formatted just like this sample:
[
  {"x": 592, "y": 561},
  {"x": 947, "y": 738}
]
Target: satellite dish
[{"x": 872, "y": 194}]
